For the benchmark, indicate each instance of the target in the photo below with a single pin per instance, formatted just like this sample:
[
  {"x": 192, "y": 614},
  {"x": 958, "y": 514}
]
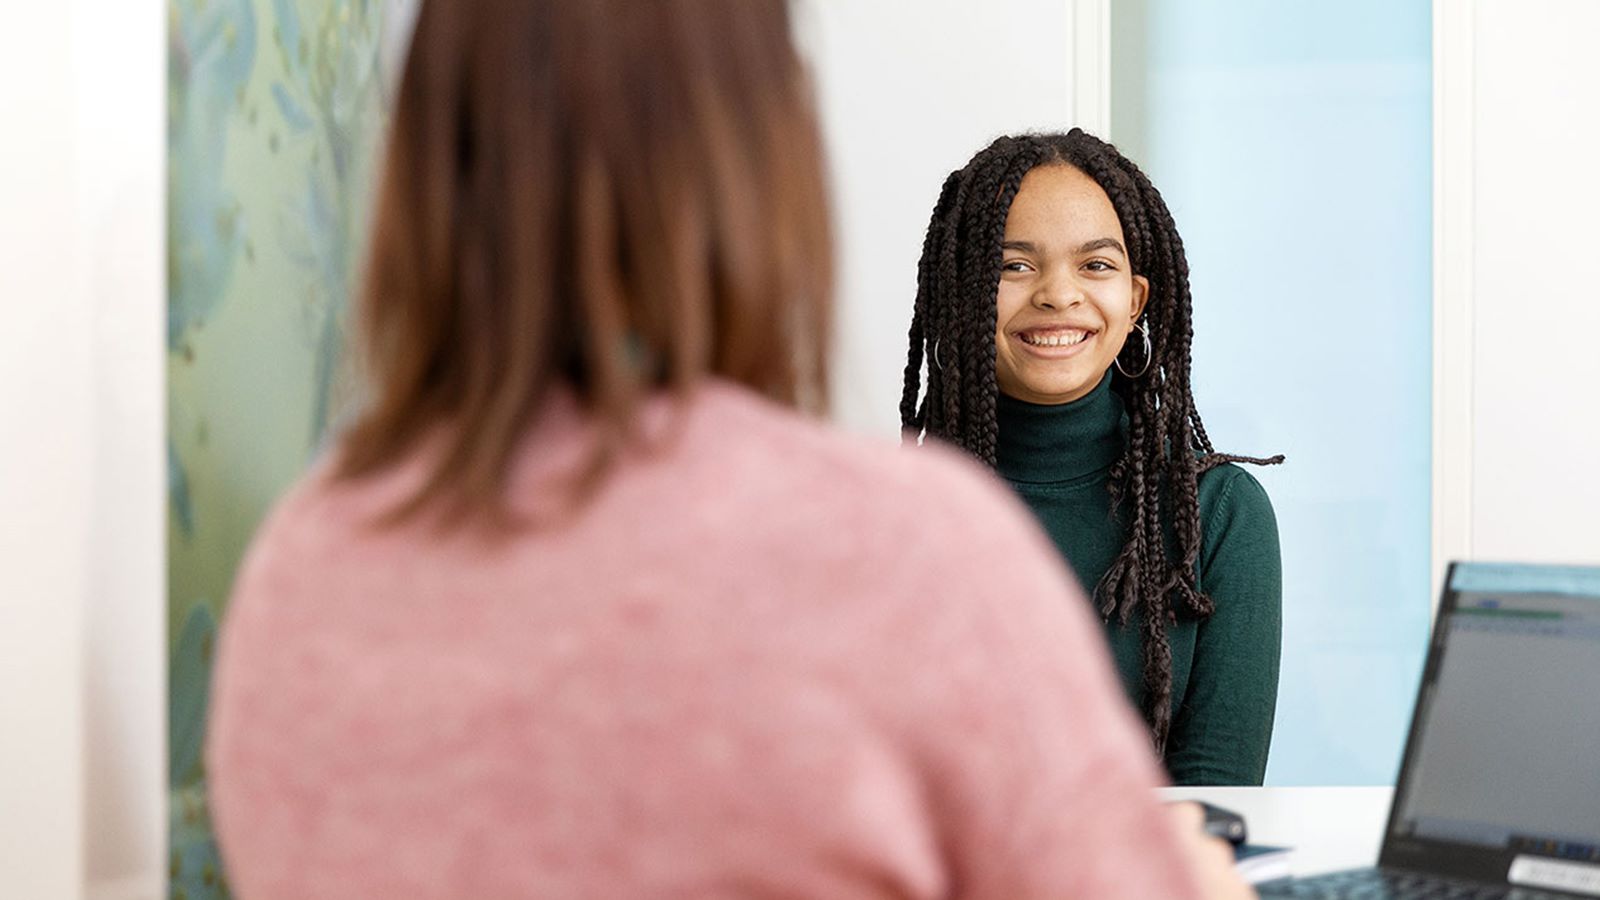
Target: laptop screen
[{"x": 1505, "y": 746}]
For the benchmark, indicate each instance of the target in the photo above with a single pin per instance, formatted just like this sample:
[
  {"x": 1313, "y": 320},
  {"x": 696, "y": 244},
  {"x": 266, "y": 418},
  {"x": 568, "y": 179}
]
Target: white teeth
[{"x": 1060, "y": 339}]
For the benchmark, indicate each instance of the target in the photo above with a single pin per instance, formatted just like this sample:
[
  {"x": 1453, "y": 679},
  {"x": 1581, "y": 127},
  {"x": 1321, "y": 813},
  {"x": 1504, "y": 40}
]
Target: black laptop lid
[{"x": 1501, "y": 775}]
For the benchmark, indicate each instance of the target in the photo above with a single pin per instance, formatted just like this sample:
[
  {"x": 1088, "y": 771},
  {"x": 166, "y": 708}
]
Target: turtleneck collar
[{"x": 1045, "y": 444}]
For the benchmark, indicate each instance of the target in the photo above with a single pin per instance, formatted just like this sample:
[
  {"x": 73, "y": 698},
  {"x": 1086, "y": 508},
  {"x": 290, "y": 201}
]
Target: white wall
[
  {"x": 45, "y": 396},
  {"x": 81, "y": 518},
  {"x": 1535, "y": 300},
  {"x": 909, "y": 92},
  {"x": 121, "y": 135}
]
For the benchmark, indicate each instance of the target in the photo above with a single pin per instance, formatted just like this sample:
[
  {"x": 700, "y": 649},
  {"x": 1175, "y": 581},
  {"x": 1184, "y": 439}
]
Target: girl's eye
[
  {"x": 1099, "y": 265},
  {"x": 1015, "y": 265}
]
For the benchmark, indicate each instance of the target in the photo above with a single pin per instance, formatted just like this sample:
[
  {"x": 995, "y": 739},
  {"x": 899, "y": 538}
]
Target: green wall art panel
[{"x": 276, "y": 114}]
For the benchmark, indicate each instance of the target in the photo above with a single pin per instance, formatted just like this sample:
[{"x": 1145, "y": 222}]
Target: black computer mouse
[{"x": 1223, "y": 823}]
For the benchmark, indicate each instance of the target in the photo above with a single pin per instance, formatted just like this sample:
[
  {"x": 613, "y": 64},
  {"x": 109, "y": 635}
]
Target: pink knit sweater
[{"x": 766, "y": 660}]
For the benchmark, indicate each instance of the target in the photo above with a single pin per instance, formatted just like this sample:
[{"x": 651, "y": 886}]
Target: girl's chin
[
  {"x": 1066, "y": 378},
  {"x": 1052, "y": 392}
]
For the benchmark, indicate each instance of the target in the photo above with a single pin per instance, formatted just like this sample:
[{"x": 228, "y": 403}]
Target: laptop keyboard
[{"x": 1375, "y": 884}]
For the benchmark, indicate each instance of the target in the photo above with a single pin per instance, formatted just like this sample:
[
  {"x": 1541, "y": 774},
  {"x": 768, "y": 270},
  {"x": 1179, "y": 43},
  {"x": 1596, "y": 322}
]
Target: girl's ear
[{"x": 1141, "y": 296}]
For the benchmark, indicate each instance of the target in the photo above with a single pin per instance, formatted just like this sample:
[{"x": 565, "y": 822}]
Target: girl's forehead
[{"x": 1060, "y": 199}]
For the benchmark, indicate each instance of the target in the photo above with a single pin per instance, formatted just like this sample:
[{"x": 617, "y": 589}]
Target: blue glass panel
[{"x": 1293, "y": 141}]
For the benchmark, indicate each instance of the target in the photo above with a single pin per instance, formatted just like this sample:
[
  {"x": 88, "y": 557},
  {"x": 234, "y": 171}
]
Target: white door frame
[{"x": 1091, "y": 66}]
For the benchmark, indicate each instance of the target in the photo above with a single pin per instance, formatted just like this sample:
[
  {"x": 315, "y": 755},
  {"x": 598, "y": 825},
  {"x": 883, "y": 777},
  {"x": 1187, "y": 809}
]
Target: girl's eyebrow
[
  {"x": 1102, "y": 244},
  {"x": 1096, "y": 244}
]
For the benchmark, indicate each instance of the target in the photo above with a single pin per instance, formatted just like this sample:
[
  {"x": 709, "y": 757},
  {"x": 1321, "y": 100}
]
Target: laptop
[{"x": 1499, "y": 788}]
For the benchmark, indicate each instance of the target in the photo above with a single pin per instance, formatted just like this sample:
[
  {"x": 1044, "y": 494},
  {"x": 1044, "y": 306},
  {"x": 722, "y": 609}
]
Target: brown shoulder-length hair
[{"x": 613, "y": 197}]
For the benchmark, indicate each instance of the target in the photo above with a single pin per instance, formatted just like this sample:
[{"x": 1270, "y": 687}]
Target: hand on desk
[{"x": 1211, "y": 859}]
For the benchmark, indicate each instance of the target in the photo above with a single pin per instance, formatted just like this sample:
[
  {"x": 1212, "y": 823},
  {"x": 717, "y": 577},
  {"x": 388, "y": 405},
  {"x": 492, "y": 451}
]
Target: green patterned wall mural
[{"x": 276, "y": 109}]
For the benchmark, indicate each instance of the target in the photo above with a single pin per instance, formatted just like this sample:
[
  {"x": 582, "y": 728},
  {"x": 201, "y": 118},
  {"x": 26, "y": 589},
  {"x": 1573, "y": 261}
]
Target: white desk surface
[{"x": 1329, "y": 828}]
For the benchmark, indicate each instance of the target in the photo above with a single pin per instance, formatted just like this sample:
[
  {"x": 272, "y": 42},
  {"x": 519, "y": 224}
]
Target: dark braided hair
[{"x": 1155, "y": 482}]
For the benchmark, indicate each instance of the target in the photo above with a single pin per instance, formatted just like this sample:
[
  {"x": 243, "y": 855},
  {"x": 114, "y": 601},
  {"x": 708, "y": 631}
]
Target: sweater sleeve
[
  {"x": 1223, "y": 729},
  {"x": 1042, "y": 782}
]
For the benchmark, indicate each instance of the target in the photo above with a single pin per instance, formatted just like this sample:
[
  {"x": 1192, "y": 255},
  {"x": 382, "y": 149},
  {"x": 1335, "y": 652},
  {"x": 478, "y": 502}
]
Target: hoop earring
[
  {"x": 1149, "y": 355},
  {"x": 936, "y": 361}
]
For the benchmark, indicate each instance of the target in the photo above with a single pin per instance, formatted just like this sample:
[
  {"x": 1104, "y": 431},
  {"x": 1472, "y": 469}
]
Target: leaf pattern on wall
[{"x": 276, "y": 112}]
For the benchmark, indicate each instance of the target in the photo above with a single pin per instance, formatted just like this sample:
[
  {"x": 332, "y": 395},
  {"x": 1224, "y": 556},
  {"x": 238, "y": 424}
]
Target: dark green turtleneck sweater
[{"x": 1224, "y": 669}]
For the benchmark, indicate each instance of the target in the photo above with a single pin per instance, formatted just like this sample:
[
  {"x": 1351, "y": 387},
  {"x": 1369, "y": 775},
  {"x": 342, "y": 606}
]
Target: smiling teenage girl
[{"x": 1053, "y": 314}]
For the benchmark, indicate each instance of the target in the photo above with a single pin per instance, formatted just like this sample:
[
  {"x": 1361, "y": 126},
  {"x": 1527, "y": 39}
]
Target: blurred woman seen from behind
[{"x": 585, "y": 603}]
